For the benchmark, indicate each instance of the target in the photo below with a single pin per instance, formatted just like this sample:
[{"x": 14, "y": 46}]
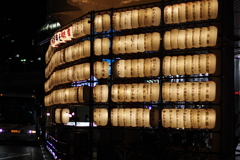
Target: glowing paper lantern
[
  {"x": 182, "y": 12},
  {"x": 100, "y": 116},
  {"x": 180, "y": 65},
  {"x": 168, "y": 14},
  {"x": 155, "y": 38},
  {"x": 116, "y": 21},
  {"x": 65, "y": 115},
  {"x": 106, "y": 22},
  {"x": 165, "y": 118},
  {"x": 114, "y": 117},
  {"x": 175, "y": 14},
  {"x": 166, "y": 65},
  {"x": 211, "y": 63},
  {"x": 58, "y": 115},
  {"x": 156, "y": 16},
  {"x": 135, "y": 19}
]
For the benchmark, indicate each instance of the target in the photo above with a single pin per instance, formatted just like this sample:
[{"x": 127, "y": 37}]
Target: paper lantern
[
  {"x": 128, "y": 68},
  {"x": 188, "y": 65},
  {"x": 167, "y": 40},
  {"x": 212, "y": 38},
  {"x": 121, "y": 92},
  {"x": 86, "y": 48},
  {"x": 166, "y": 65},
  {"x": 213, "y": 9},
  {"x": 203, "y": 63},
  {"x": 147, "y": 67},
  {"x": 98, "y": 47},
  {"x": 121, "y": 46},
  {"x": 195, "y": 95},
  {"x": 189, "y": 38},
  {"x": 58, "y": 115},
  {"x": 204, "y": 10},
  {"x": 140, "y": 67},
  {"x": 211, "y": 63},
  {"x": 122, "y": 20},
  {"x": 65, "y": 97},
  {"x": 114, "y": 93},
  {"x": 187, "y": 118},
  {"x": 104, "y": 93},
  {"x": 146, "y": 117},
  {"x": 96, "y": 94},
  {"x": 175, "y": 14},
  {"x": 80, "y": 95},
  {"x": 148, "y": 41},
  {"x": 121, "y": 117},
  {"x": 86, "y": 71},
  {"x": 128, "y": 44},
  {"x": 140, "y": 92},
  {"x": 181, "y": 39},
  {"x": 139, "y": 119},
  {"x": 203, "y": 36},
  {"x": 168, "y": 14},
  {"x": 155, "y": 66},
  {"x": 141, "y": 43},
  {"x": 210, "y": 91},
  {"x": 98, "y": 21},
  {"x": 180, "y": 91},
  {"x": 196, "y": 37},
  {"x": 155, "y": 38},
  {"x": 105, "y": 46},
  {"x": 134, "y": 43},
  {"x": 127, "y": 92},
  {"x": 141, "y": 17},
  {"x": 174, "y": 35},
  {"x": 133, "y": 117},
  {"x": 188, "y": 91},
  {"x": 134, "y": 92},
  {"x": 154, "y": 92},
  {"x": 105, "y": 69},
  {"x": 196, "y": 10},
  {"x": 116, "y": 41},
  {"x": 173, "y": 92},
  {"x": 173, "y": 63},
  {"x": 189, "y": 8},
  {"x": 165, "y": 91},
  {"x": 210, "y": 118},
  {"x": 165, "y": 118},
  {"x": 116, "y": 21},
  {"x": 146, "y": 92},
  {"x": 201, "y": 91},
  {"x": 134, "y": 68},
  {"x": 119, "y": 68},
  {"x": 106, "y": 22},
  {"x": 180, "y": 65},
  {"x": 65, "y": 115},
  {"x": 148, "y": 17},
  {"x": 156, "y": 16},
  {"x": 126, "y": 119},
  {"x": 195, "y": 118},
  {"x": 128, "y": 20},
  {"x": 86, "y": 26},
  {"x": 114, "y": 117},
  {"x": 179, "y": 118},
  {"x": 172, "y": 115},
  {"x": 135, "y": 19},
  {"x": 73, "y": 95},
  {"x": 195, "y": 64},
  {"x": 182, "y": 12},
  {"x": 100, "y": 116}
]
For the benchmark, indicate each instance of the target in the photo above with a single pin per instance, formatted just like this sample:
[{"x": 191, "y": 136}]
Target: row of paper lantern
[
  {"x": 136, "y": 92},
  {"x": 191, "y": 11},
  {"x": 77, "y": 72},
  {"x": 132, "y": 68},
  {"x": 190, "y": 38},
  {"x": 76, "y": 30},
  {"x": 69, "y": 54},
  {"x": 174, "y": 39},
  {"x": 136, "y": 18},
  {"x": 189, "y": 91},
  {"x": 189, "y": 64},
  {"x": 127, "y": 117},
  {"x": 189, "y": 118},
  {"x": 67, "y": 96},
  {"x": 136, "y": 43},
  {"x": 62, "y": 115}
]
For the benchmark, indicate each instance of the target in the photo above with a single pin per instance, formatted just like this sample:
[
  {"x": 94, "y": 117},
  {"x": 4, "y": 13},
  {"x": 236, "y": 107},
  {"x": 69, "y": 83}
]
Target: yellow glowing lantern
[
  {"x": 165, "y": 91},
  {"x": 179, "y": 118},
  {"x": 155, "y": 38},
  {"x": 135, "y": 19},
  {"x": 203, "y": 36},
  {"x": 210, "y": 91},
  {"x": 105, "y": 46},
  {"x": 167, "y": 40},
  {"x": 146, "y": 92},
  {"x": 212, "y": 39},
  {"x": 140, "y": 92},
  {"x": 122, "y": 20},
  {"x": 175, "y": 14},
  {"x": 168, "y": 14},
  {"x": 86, "y": 26},
  {"x": 173, "y": 63},
  {"x": 141, "y": 43},
  {"x": 121, "y": 117},
  {"x": 165, "y": 118},
  {"x": 133, "y": 117},
  {"x": 139, "y": 119},
  {"x": 96, "y": 95},
  {"x": 195, "y": 95},
  {"x": 196, "y": 10},
  {"x": 180, "y": 65},
  {"x": 115, "y": 45},
  {"x": 196, "y": 37},
  {"x": 173, "y": 92},
  {"x": 140, "y": 67},
  {"x": 134, "y": 68},
  {"x": 134, "y": 43},
  {"x": 210, "y": 118},
  {"x": 202, "y": 119},
  {"x": 166, "y": 65},
  {"x": 86, "y": 48},
  {"x": 189, "y": 37},
  {"x": 98, "y": 47},
  {"x": 114, "y": 117},
  {"x": 189, "y": 8},
  {"x": 134, "y": 91},
  {"x": 187, "y": 118},
  {"x": 148, "y": 41},
  {"x": 128, "y": 44},
  {"x": 58, "y": 115},
  {"x": 128, "y": 20},
  {"x": 147, "y": 67},
  {"x": 195, "y": 118},
  {"x": 195, "y": 64},
  {"x": 172, "y": 115},
  {"x": 121, "y": 92},
  {"x": 146, "y": 117},
  {"x": 211, "y": 63},
  {"x": 203, "y": 63},
  {"x": 100, "y": 116},
  {"x": 181, "y": 39},
  {"x": 114, "y": 92},
  {"x": 106, "y": 22},
  {"x": 65, "y": 115},
  {"x": 188, "y": 64},
  {"x": 155, "y": 66},
  {"x": 126, "y": 119},
  {"x": 180, "y": 91},
  {"x": 73, "y": 95},
  {"x": 122, "y": 48},
  {"x": 141, "y": 17},
  {"x": 201, "y": 91},
  {"x": 204, "y": 10},
  {"x": 156, "y": 16},
  {"x": 182, "y": 12},
  {"x": 174, "y": 35},
  {"x": 213, "y": 9},
  {"x": 116, "y": 21},
  {"x": 188, "y": 91},
  {"x": 127, "y": 93},
  {"x": 148, "y": 17}
]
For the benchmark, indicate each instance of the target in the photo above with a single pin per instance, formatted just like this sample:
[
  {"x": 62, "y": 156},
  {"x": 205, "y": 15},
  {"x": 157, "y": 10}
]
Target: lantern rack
[{"x": 89, "y": 106}]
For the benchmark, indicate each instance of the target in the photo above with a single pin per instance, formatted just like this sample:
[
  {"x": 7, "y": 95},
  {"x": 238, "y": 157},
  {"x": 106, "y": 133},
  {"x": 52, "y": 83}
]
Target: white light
[
  {"x": 17, "y": 55},
  {"x": 48, "y": 114},
  {"x": 39, "y": 58}
]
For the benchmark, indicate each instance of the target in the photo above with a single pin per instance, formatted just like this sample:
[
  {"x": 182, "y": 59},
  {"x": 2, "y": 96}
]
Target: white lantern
[
  {"x": 116, "y": 21},
  {"x": 98, "y": 47},
  {"x": 175, "y": 14},
  {"x": 98, "y": 21},
  {"x": 187, "y": 118},
  {"x": 165, "y": 118},
  {"x": 188, "y": 65},
  {"x": 165, "y": 91},
  {"x": 174, "y": 38},
  {"x": 210, "y": 118},
  {"x": 114, "y": 117},
  {"x": 156, "y": 16},
  {"x": 210, "y": 91},
  {"x": 155, "y": 66},
  {"x": 196, "y": 10},
  {"x": 105, "y": 46},
  {"x": 196, "y": 37},
  {"x": 179, "y": 118},
  {"x": 135, "y": 19},
  {"x": 65, "y": 115},
  {"x": 173, "y": 92},
  {"x": 100, "y": 116},
  {"x": 128, "y": 19},
  {"x": 73, "y": 95},
  {"x": 173, "y": 63},
  {"x": 114, "y": 93},
  {"x": 213, "y": 9},
  {"x": 180, "y": 65},
  {"x": 141, "y": 17},
  {"x": 86, "y": 26},
  {"x": 140, "y": 67},
  {"x": 134, "y": 43},
  {"x": 211, "y": 63},
  {"x": 128, "y": 44},
  {"x": 203, "y": 63},
  {"x": 182, "y": 12},
  {"x": 180, "y": 91},
  {"x": 195, "y": 87},
  {"x": 86, "y": 48},
  {"x": 172, "y": 115},
  {"x": 96, "y": 93},
  {"x": 155, "y": 41},
  {"x": 127, "y": 92},
  {"x": 168, "y": 14},
  {"x": 189, "y": 37},
  {"x": 106, "y": 22},
  {"x": 154, "y": 92},
  {"x": 122, "y": 48},
  {"x": 195, "y": 64},
  {"x": 189, "y": 8},
  {"x": 167, "y": 40}
]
